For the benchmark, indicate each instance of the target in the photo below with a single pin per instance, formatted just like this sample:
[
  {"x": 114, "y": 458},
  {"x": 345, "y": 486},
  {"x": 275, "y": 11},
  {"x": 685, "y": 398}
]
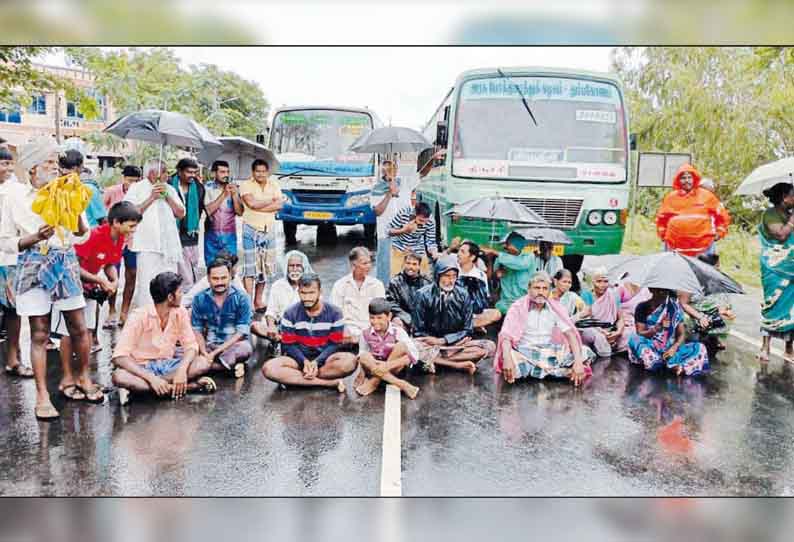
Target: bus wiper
[
  {"x": 301, "y": 170},
  {"x": 523, "y": 99}
]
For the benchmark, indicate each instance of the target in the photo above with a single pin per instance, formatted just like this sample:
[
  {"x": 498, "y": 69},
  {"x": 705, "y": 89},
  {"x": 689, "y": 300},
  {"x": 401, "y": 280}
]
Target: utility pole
[{"x": 58, "y": 116}]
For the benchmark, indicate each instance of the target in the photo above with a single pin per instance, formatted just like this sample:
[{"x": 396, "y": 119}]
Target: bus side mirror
[
  {"x": 632, "y": 142},
  {"x": 441, "y": 134}
]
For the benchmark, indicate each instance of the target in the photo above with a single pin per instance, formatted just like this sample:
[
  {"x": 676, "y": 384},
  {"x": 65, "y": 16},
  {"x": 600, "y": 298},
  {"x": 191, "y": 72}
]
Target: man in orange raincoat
[{"x": 691, "y": 218}]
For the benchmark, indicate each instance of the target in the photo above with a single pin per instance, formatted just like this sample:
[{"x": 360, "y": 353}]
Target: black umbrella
[{"x": 674, "y": 271}]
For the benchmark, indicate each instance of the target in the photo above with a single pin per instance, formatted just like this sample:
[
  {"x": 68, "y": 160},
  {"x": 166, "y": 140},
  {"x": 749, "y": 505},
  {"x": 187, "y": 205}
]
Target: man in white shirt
[
  {"x": 156, "y": 241},
  {"x": 283, "y": 293},
  {"x": 539, "y": 340},
  {"x": 353, "y": 292},
  {"x": 8, "y": 263},
  {"x": 388, "y": 196}
]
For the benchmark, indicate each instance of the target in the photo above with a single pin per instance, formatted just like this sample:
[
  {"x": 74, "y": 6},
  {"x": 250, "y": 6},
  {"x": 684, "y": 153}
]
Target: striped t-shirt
[
  {"x": 420, "y": 241},
  {"x": 311, "y": 338}
]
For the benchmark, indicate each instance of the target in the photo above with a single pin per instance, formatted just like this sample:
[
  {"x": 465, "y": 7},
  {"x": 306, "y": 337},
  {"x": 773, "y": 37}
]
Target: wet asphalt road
[{"x": 463, "y": 435}]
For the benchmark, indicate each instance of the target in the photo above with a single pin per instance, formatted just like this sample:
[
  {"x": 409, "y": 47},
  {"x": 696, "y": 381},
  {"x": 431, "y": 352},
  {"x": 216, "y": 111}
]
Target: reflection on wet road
[{"x": 625, "y": 433}]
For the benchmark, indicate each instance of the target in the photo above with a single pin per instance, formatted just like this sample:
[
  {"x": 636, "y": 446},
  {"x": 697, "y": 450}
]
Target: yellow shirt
[{"x": 260, "y": 220}]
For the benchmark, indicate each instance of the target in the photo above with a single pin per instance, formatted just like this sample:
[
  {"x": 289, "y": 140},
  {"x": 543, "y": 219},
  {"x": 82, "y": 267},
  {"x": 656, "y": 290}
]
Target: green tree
[
  {"x": 725, "y": 105},
  {"x": 136, "y": 79}
]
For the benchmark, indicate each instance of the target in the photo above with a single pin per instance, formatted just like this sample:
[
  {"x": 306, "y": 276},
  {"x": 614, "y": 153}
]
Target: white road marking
[
  {"x": 755, "y": 342},
  {"x": 391, "y": 462}
]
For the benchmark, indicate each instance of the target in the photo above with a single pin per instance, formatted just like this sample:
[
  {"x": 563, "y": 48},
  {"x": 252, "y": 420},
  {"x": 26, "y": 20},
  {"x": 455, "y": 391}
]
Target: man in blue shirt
[{"x": 221, "y": 320}]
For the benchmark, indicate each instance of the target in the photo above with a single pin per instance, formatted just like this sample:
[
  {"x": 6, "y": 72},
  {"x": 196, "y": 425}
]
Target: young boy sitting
[{"x": 384, "y": 351}]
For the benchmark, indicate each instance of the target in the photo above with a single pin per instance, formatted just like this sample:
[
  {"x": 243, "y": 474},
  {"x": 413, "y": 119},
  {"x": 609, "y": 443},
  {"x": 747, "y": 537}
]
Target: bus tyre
[
  {"x": 290, "y": 229},
  {"x": 370, "y": 231}
]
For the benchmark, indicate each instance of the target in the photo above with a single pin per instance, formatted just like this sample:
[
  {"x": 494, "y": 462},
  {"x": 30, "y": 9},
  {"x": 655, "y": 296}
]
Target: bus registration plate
[
  {"x": 316, "y": 215},
  {"x": 557, "y": 250}
]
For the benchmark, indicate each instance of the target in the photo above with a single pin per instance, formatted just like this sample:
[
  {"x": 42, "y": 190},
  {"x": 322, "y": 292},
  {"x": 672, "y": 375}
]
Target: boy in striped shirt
[
  {"x": 413, "y": 230},
  {"x": 312, "y": 333}
]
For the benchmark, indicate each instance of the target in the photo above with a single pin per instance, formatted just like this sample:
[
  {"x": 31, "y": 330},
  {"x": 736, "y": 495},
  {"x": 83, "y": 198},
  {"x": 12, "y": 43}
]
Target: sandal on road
[
  {"x": 19, "y": 370},
  {"x": 46, "y": 413},
  {"x": 206, "y": 385},
  {"x": 93, "y": 394},
  {"x": 72, "y": 392}
]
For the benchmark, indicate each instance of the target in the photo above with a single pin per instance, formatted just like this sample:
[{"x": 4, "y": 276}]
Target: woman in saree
[
  {"x": 776, "y": 233},
  {"x": 604, "y": 303},
  {"x": 659, "y": 337},
  {"x": 630, "y": 294},
  {"x": 576, "y": 307}
]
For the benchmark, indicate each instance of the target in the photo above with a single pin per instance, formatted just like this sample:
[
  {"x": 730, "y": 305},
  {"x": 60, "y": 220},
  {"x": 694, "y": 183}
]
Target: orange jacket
[{"x": 690, "y": 221}]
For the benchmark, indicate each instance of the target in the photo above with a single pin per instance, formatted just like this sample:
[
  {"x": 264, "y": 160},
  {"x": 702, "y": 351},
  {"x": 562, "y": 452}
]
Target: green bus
[{"x": 554, "y": 140}]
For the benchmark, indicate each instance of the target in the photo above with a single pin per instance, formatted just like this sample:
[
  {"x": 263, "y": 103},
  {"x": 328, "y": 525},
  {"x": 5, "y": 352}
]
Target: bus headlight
[
  {"x": 610, "y": 218},
  {"x": 357, "y": 200},
  {"x": 594, "y": 218}
]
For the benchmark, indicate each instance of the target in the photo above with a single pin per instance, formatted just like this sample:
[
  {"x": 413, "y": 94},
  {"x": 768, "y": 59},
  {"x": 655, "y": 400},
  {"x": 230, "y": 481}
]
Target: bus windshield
[
  {"x": 316, "y": 142},
  {"x": 580, "y": 133}
]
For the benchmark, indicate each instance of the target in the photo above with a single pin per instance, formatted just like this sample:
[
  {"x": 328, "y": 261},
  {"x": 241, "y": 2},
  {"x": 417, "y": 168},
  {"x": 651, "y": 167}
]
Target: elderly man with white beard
[{"x": 443, "y": 322}]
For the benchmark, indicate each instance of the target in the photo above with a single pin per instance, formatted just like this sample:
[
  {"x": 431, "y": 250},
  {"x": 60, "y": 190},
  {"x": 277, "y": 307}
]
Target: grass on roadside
[{"x": 739, "y": 251}]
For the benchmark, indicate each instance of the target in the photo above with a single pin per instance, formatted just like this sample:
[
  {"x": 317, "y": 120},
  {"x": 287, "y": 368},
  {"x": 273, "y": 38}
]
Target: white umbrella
[
  {"x": 767, "y": 176},
  {"x": 240, "y": 153},
  {"x": 389, "y": 140}
]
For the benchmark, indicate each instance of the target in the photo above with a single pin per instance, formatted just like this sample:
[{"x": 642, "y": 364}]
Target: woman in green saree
[{"x": 777, "y": 270}]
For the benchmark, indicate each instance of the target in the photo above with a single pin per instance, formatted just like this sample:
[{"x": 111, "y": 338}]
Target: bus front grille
[
  {"x": 560, "y": 213},
  {"x": 322, "y": 197}
]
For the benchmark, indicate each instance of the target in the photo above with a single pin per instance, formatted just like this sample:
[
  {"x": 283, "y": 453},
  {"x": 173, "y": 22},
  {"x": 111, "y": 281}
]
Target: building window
[
  {"x": 102, "y": 104},
  {"x": 39, "y": 105},
  {"x": 11, "y": 115},
  {"x": 71, "y": 110}
]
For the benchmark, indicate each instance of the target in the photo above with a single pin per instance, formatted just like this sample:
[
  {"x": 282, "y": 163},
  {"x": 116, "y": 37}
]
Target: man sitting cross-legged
[
  {"x": 146, "y": 356},
  {"x": 221, "y": 319},
  {"x": 403, "y": 288},
  {"x": 384, "y": 350},
  {"x": 443, "y": 322},
  {"x": 539, "y": 339},
  {"x": 311, "y": 333}
]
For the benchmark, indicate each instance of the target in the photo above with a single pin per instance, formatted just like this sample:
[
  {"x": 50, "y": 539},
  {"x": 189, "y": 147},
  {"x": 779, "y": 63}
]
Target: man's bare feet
[
  {"x": 470, "y": 367},
  {"x": 360, "y": 378},
  {"x": 368, "y": 387}
]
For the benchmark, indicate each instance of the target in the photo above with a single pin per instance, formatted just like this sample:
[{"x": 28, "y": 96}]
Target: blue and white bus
[{"x": 325, "y": 183}]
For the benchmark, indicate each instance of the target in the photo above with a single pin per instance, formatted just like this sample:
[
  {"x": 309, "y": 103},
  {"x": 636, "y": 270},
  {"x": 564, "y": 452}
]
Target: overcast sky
[{"x": 401, "y": 84}]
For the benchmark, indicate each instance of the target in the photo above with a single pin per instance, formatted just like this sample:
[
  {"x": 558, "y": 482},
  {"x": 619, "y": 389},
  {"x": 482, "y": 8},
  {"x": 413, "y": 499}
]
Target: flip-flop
[
  {"x": 94, "y": 390},
  {"x": 74, "y": 395},
  {"x": 19, "y": 370},
  {"x": 261, "y": 310},
  {"x": 110, "y": 324},
  {"x": 46, "y": 413}
]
